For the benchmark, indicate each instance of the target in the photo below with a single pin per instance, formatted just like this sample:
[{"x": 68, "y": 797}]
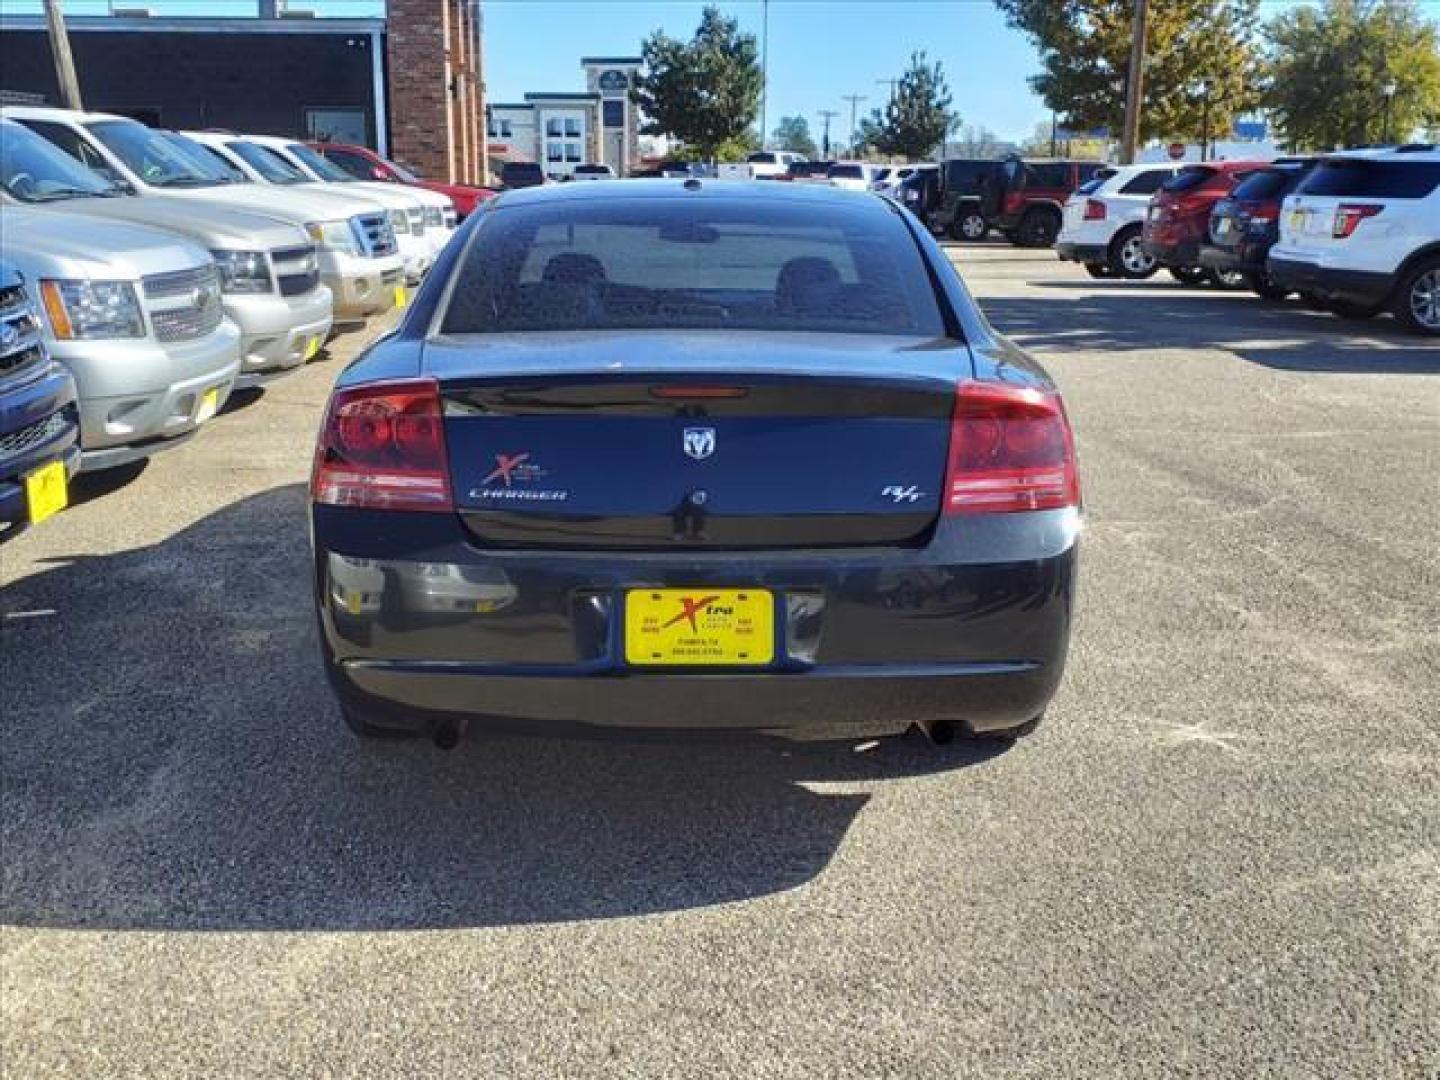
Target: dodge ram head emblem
[{"x": 699, "y": 442}]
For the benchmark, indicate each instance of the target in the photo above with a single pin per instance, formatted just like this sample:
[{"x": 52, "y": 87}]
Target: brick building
[{"x": 410, "y": 85}]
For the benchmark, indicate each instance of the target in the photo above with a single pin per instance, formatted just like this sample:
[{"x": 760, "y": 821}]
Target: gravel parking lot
[{"x": 1219, "y": 857}]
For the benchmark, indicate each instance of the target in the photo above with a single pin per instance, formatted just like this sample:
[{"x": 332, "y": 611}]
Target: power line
[{"x": 827, "y": 115}]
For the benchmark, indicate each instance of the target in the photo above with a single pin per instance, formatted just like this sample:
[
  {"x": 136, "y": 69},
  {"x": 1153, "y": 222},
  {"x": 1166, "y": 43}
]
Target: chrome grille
[
  {"x": 38, "y": 433},
  {"x": 20, "y": 348},
  {"x": 180, "y": 282},
  {"x": 417, "y": 219},
  {"x": 377, "y": 238},
  {"x": 399, "y": 222},
  {"x": 297, "y": 270},
  {"x": 182, "y": 324}
]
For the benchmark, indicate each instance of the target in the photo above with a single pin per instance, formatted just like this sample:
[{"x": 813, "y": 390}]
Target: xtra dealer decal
[{"x": 513, "y": 479}]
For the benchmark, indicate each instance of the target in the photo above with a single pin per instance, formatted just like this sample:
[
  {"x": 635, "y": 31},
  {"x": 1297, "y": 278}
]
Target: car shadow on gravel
[
  {"x": 172, "y": 761},
  {"x": 1135, "y": 316}
]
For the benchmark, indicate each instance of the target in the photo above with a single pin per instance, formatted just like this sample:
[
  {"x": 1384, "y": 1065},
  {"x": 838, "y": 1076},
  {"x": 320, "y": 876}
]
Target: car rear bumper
[
  {"x": 1185, "y": 253},
  {"x": 1352, "y": 286},
  {"x": 1070, "y": 251},
  {"x": 973, "y": 628}
]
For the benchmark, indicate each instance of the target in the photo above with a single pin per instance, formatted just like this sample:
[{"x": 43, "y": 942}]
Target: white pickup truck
[{"x": 761, "y": 165}]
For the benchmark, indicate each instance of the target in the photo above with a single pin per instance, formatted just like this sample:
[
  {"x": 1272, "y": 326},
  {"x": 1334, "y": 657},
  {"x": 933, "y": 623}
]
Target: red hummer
[
  {"x": 1178, "y": 219},
  {"x": 365, "y": 164}
]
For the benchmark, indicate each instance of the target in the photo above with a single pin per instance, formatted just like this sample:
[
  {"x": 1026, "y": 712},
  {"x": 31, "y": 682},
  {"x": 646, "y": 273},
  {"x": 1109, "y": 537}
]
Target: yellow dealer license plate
[
  {"x": 209, "y": 405},
  {"x": 402, "y": 298},
  {"x": 47, "y": 491},
  {"x": 690, "y": 627},
  {"x": 312, "y": 347}
]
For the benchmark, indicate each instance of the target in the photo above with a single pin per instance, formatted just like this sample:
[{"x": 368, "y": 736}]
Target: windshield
[
  {"x": 316, "y": 163},
  {"x": 204, "y": 159},
  {"x": 713, "y": 264},
  {"x": 1355, "y": 177},
  {"x": 33, "y": 170},
  {"x": 272, "y": 166},
  {"x": 847, "y": 172},
  {"x": 1265, "y": 184},
  {"x": 761, "y": 158},
  {"x": 1188, "y": 178},
  {"x": 409, "y": 176},
  {"x": 150, "y": 155}
]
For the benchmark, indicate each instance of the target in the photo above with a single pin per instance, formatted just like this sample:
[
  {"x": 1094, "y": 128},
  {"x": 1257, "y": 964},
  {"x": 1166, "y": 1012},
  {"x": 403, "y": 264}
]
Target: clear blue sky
[{"x": 819, "y": 50}]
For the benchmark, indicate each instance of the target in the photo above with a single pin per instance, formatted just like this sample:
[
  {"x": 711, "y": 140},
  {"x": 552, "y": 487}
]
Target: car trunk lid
[{"x": 708, "y": 442}]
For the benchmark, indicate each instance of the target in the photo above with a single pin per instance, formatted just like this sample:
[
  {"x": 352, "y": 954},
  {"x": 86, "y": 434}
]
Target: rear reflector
[
  {"x": 1094, "y": 210},
  {"x": 1349, "y": 215},
  {"x": 1011, "y": 449},
  {"x": 382, "y": 446}
]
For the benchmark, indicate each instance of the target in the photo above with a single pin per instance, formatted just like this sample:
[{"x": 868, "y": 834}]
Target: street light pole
[
  {"x": 60, "y": 50},
  {"x": 1134, "y": 84},
  {"x": 1389, "y": 91},
  {"x": 854, "y": 100},
  {"x": 827, "y": 115},
  {"x": 764, "y": 70},
  {"x": 1204, "y": 119}
]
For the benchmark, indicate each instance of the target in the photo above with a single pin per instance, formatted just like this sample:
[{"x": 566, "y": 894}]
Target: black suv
[
  {"x": 968, "y": 197},
  {"x": 521, "y": 174}
]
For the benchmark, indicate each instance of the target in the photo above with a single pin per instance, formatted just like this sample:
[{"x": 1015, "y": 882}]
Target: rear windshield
[
  {"x": 1147, "y": 183},
  {"x": 1188, "y": 179},
  {"x": 712, "y": 264},
  {"x": 1265, "y": 184},
  {"x": 847, "y": 172},
  {"x": 761, "y": 158},
  {"x": 1376, "y": 179}
]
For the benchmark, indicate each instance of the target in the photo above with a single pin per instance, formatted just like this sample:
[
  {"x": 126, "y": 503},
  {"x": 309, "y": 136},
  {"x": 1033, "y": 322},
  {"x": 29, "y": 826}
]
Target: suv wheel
[
  {"x": 1417, "y": 302},
  {"x": 1225, "y": 279},
  {"x": 969, "y": 225},
  {"x": 1038, "y": 229},
  {"x": 1187, "y": 275},
  {"x": 1128, "y": 258},
  {"x": 1263, "y": 286}
]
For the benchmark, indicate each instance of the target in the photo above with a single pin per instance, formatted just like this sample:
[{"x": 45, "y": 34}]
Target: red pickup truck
[{"x": 365, "y": 164}]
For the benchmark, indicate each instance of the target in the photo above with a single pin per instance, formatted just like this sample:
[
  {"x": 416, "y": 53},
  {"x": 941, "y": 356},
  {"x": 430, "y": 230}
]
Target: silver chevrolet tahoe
[
  {"x": 359, "y": 257},
  {"x": 269, "y": 273},
  {"x": 135, "y": 314}
]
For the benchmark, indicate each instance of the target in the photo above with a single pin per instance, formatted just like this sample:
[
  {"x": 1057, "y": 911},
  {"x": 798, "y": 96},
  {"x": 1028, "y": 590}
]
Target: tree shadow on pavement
[
  {"x": 172, "y": 760},
  {"x": 1130, "y": 317}
]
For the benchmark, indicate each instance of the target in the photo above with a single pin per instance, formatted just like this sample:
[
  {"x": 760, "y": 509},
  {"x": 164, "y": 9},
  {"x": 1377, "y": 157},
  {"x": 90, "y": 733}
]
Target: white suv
[
  {"x": 1102, "y": 221},
  {"x": 1362, "y": 233}
]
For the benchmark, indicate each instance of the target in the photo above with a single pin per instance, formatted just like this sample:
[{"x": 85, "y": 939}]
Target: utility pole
[
  {"x": 764, "y": 70},
  {"x": 1134, "y": 85},
  {"x": 854, "y": 100},
  {"x": 892, "y": 83},
  {"x": 828, "y": 115},
  {"x": 60, "y": 50}
]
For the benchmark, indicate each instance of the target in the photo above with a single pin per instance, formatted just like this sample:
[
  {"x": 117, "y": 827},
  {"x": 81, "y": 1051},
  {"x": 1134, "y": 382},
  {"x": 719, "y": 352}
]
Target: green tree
[
  {"x": 917, "y": 118},
  {"x": 1330, "y": 67},
  {"x": 704, "y": 92},
  {"x": 1202, "y": 56},
  {"x": 793, "y": 133}
]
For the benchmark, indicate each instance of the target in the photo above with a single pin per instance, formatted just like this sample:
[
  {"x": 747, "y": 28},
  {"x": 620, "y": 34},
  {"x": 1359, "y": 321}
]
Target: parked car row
[
  {"x": 1022, "y": 199},
  {"x": 158, "y": 271},
  {"x": 1356, "y": 232}
]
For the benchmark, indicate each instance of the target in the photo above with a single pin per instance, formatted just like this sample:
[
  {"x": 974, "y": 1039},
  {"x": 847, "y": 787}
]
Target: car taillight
[
  {"x": 382, "y": 447},
  {"x": 1349, "y": 215},
  {"x": 1094, "y": 210},
  {"x": 1011, "y": 449}
]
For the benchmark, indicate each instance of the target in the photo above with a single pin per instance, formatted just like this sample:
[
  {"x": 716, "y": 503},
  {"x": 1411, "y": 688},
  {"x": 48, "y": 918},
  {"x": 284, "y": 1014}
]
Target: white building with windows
[{"x": 562, "y": 130}]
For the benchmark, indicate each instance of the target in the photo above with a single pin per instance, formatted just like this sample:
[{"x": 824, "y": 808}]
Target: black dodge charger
[{"x": 695, "y": 455}]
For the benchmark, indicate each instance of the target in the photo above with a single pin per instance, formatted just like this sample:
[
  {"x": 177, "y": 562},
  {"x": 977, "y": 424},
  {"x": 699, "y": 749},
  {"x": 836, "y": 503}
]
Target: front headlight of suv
[
  {"x": 92, "y": 309},
  {"x": 334, "y": 236},
  {"x": 243, "y": 271},
  {"x": 400, "y": 222}
]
